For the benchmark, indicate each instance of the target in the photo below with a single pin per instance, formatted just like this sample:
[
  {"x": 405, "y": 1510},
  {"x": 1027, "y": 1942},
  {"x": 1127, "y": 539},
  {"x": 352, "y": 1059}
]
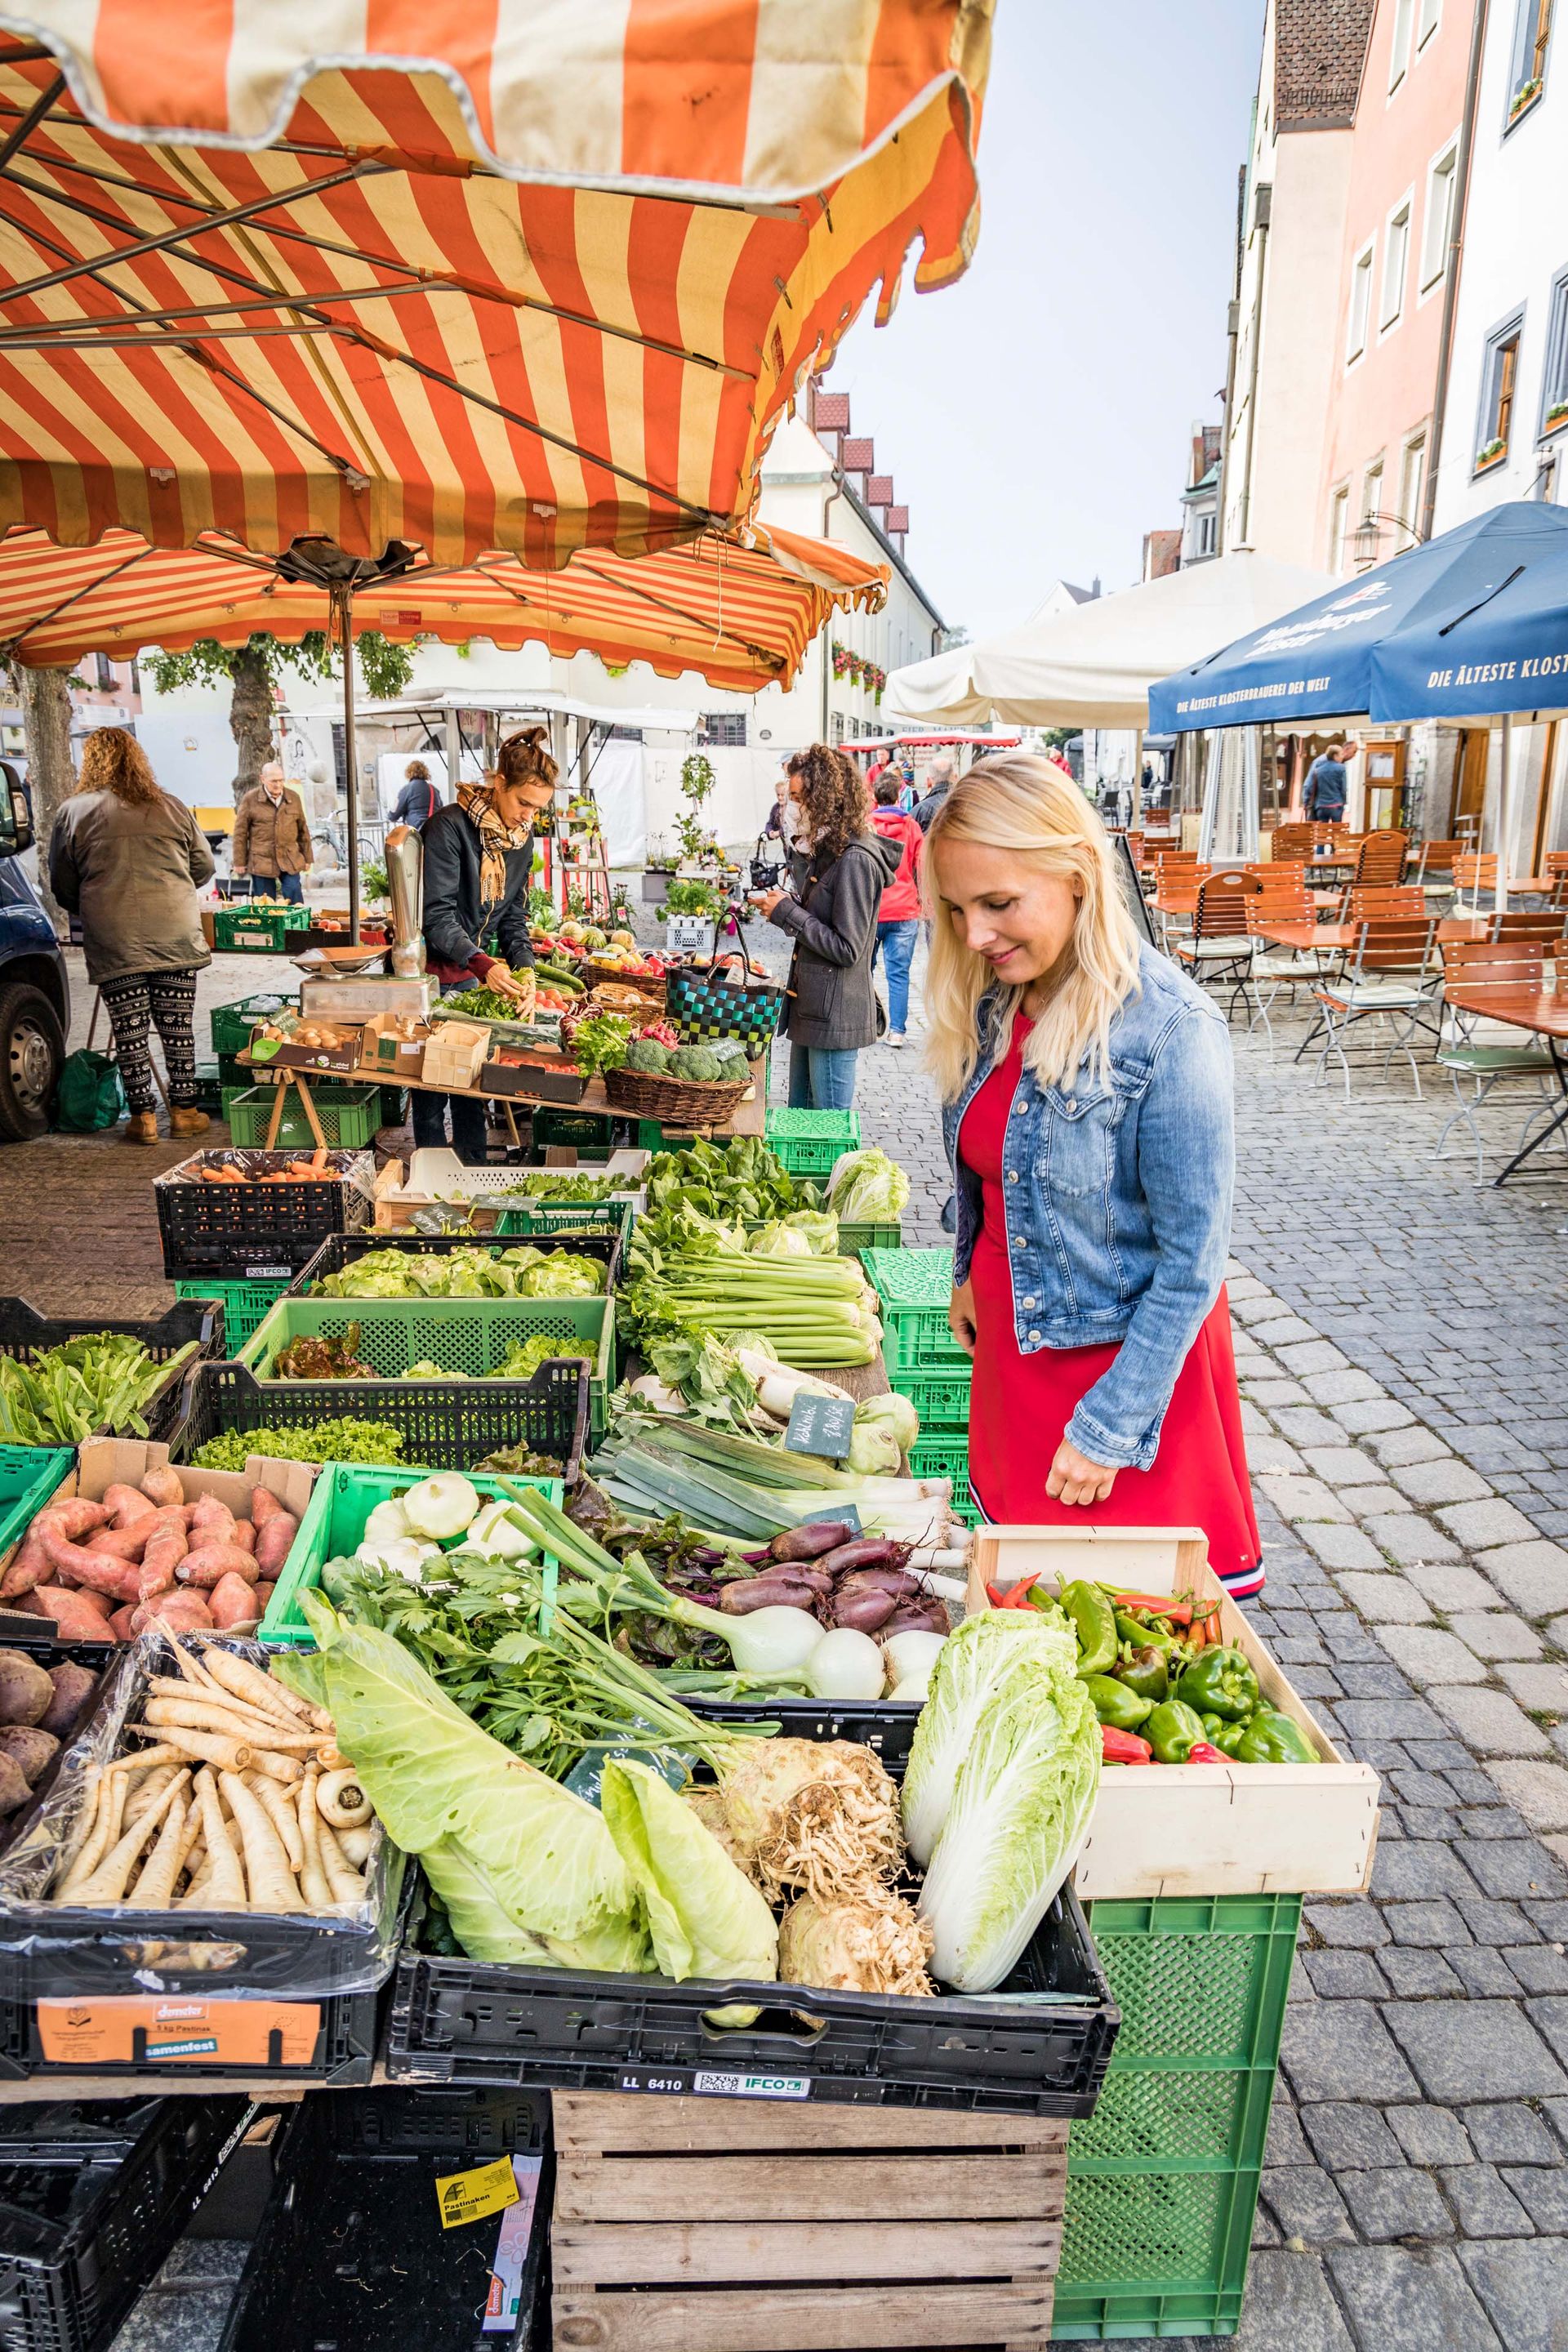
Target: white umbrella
[{"x": 1093, "y": 666}]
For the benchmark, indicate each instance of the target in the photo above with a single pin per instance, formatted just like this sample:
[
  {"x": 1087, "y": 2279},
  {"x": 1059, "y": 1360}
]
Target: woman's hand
[
  {"x": 1074, "y": 1478},
  {"x": 766, "y": 900},
  {"x": 960, "y": 1315}
]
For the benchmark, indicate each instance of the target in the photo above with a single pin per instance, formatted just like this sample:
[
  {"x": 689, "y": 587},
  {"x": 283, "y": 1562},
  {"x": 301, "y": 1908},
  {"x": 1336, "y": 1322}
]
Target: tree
[
  {"x": 44, "y": 697},
  {"x": 254, "y": 668}
]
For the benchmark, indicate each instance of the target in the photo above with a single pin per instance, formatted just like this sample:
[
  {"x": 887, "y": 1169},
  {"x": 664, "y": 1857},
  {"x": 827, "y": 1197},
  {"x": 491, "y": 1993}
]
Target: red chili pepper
[
  {"x": 1017, "y": 1597},
  {"x": 1153, "y": 1605},
  {"x": 1201, "y": 1752},
  {"x": 996, "y": 1597},
  {"x": 1123, "y": 1746}
]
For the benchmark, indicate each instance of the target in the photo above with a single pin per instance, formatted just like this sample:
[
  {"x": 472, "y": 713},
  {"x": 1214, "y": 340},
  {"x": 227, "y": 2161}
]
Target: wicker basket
[
  {"x": 649, "y": 984},
  {"x": 674, "y": 1102}
]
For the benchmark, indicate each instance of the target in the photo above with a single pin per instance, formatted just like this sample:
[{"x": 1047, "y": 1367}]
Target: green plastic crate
[
  {"x": 349, "y": 1116},
  {"x": 590, "y": 1133},
  {"x": 915, "y": 1287},
  {"x": 466, "y": 1336},
  {"x": 243, "y": 930},
  {"x": 28, "y": 1477},
  {"x": 809, "y": 1142},
  {"x": 940, "y": 1399},
  {"x": 1162, "y": 2177},
  {"x": 333, "y": 1525},
  {"x": 231, "y": 1024},
  {"x": 527, "y": 1221},
  {"x": 944, "y": 1454},
  {"x": 854, "y": 1239},
  {"x": 246, "y": 1305}
]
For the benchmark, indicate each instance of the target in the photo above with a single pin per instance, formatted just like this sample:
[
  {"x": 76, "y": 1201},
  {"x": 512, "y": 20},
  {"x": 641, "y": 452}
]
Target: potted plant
[
  {"x": 1489, "y": 453},
  {"x": 1556, "y": 415},
  {"x": 1525, "y": 95}
]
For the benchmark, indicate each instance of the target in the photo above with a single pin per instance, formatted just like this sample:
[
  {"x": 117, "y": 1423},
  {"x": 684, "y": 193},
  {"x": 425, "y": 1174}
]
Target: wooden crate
[
  {"x": 730, "y": 2225},
  {"x": 1198, "y": 1829}
]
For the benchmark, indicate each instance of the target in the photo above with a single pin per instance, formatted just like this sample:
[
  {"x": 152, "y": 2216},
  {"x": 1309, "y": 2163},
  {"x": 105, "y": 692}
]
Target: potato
[
  {"x": 13, "y": 1788},
  {"x": 29, "y": 1748},
  {"x": 27, "y": 1694},
  {"x": 74, "y": 1686}
]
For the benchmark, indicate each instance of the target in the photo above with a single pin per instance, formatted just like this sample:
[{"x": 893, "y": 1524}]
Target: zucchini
[{"x": 552, "y": 976}]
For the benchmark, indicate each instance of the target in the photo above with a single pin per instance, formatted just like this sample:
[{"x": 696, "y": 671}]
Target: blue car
[{"x": 34, "y": 998}]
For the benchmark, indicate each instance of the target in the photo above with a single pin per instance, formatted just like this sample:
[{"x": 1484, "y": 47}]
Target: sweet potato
[
  {"x": 215, "y": 1521},
  {"x": 126, "y": 1543},
  {"x": 26, "y": 1693},
  {"x": 264, "y": 1593},
  {"x": 80, "y": 1616},
  {"x": 164, "y": 1486},
  {"x": 13, "y": 1788},
  {"x": 161, "y": 1557},
  {"x": 122, "y": 1625},
  {"x": 74, "y": 1685},
  {"x": 30, "y": 1747},
  {"x": 182, "y": 1613},
  {"x": 75, "y": 1516},
  {"x": 211, "y": 1559},
  {"x": 126, "y": 1503},
  {"x": 233, "y": 1603},
  {"x": 264, "y": 1505},
  {"x": 273, "y": 1542},
  {"x": 99, "y": 1571},
  {"x": 245, "y": 1537},
  {"x": 29, "y": 1561}
]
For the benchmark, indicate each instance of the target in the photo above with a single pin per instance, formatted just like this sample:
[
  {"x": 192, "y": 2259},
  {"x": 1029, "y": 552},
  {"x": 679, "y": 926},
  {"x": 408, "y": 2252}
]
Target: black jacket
[
  {"x": 832, "y": 920},
  {"x": 455, "y": 927},
  {"x": 925, "y": 810}
]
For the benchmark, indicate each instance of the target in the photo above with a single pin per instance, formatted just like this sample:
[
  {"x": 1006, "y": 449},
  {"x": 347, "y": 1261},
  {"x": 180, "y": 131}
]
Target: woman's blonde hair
[
  {"x": 113, "y": 760},
  {"x": 1037, "y": 815}
]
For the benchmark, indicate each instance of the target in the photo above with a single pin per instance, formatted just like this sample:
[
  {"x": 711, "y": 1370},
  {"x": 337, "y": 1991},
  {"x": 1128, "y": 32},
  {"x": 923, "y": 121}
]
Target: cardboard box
[
  {"x": 1198, "y": 1829},
  {"x": 341, "y": 1060},
  {"x": 455, "y": 1054},
  {"x": 395, "y": 1060}
]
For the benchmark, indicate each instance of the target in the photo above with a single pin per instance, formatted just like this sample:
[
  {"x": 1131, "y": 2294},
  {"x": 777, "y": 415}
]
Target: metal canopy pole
[
  {"x": 454, "y": 735},
  {"x": 342, "y": 606},
  {"x": 1505, "y": 829}
]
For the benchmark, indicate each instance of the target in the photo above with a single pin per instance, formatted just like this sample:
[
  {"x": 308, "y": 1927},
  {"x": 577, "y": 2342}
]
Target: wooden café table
[
  {"x": 1543, "y": 1012},
  {"x": 1307, "y": 937}
]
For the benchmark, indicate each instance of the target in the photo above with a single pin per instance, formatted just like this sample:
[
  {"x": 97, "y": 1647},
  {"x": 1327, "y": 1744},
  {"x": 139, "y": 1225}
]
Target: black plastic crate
[
  {"x": 84, "y": 2226},
  {"x": 350, "y": 2250},
  {"x": 38, "y": 1636},
  {"x": 446, "y": 1425},
  {"x": 343, "y": 1249},
  {"x": 253, "y": 1232},
  {"x": 459, "y": 2021},
  {"x": 24, "y": 1333},
  {"x": 344, "y": 2051}
]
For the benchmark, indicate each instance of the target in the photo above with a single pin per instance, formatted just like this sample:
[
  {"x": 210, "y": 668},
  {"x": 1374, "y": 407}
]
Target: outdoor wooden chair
[
  {"x": 1475, "y": 871},
  {"x": 1485, "y": 1053},
  {"x": 1218, "y": 948},
  {"x": 1385, "y": 978},
  {"x": 1520, "y": 923},
  {"x": 1294, "y": 844},
  {"x": 1434, "y": 866},
  {"x": 1379, "y": 860},
  {"x": 1275, "y": 966},
  {"x": 1383, "y": 903},
  {"x": 1557, "y": 866}
]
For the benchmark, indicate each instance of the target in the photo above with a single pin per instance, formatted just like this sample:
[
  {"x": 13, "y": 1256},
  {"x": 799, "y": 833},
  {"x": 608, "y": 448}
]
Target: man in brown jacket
[{"x": 271, "y": 836}]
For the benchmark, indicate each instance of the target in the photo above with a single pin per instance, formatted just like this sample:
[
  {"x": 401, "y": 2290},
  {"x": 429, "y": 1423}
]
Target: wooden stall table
[
  {"x": 748, "y": 1118},
  {"x": 1543, "y": 1012}
]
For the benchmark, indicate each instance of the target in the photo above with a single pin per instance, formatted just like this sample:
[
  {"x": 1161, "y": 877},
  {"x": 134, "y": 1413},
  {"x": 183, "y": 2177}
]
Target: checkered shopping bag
[{"x": 706, "y": 1005}]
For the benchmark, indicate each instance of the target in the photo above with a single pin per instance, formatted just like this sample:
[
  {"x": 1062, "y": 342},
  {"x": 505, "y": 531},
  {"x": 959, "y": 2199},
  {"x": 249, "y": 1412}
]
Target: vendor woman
[
  {"x": 479, "y": 862},
  {"x": 1087, "y": 1099}
]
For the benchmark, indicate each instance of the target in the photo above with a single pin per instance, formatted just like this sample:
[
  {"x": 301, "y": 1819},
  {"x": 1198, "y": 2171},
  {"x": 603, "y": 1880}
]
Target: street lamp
[{"x": 1367, "y": 532}]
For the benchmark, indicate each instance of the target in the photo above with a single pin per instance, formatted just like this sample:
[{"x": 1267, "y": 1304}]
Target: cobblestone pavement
[{"x": 1400, "y": 1336}]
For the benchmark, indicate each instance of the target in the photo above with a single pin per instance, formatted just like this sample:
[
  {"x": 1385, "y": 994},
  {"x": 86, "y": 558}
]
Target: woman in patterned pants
[{"x": 128, "y": 858}]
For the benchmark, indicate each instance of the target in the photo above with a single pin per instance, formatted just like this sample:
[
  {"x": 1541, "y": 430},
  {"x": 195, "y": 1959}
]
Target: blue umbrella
[{"x": 1472, "y": 623}]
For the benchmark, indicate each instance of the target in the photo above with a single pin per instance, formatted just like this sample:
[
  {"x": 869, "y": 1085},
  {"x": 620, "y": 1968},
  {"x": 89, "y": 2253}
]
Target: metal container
[
  {"x": 360, "y": 998},
  {"x": 405, "y": 887}
]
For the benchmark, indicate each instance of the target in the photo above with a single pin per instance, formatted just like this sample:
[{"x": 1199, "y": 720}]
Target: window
[
  {"x": 1395, "y": 254},
  {"x": 725, "y": 727},
  {"x": 1428, "y": 22},
  {"x": 1339, "y": 525},
  {"x": 1499, "y": 381},
  {"x": 1206, "y": 533},
  {"x": 1532, "y": 35},
  {"x": 1554, "y": 390},
  {"x": 103, "y": 673},
  {"x": 839, "y": 727},
  {"x": 1361, "y": 303},
  {"x": 1441, "y": 186},
  {"x": 1371, "y": 491},
  {"x": 1412, "y": 481},
  {"x": 1399, "y": 50}
]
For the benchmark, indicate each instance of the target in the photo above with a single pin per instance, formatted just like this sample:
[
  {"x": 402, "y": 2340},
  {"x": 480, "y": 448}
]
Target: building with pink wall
[{"x": 1395, "y": 260}]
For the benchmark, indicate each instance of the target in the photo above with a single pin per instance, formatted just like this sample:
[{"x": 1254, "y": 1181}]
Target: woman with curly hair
[
  {"x": 128, "y": 858},
  {"x": 839, "y": 869}
]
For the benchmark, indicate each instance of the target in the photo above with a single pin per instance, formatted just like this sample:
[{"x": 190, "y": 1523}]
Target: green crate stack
[
  {"x": 28, "y": 1477},
  {"x": 231, "y": 1024},
  {"x": 349, "y": 1116},
  {"x": 944, "y": 1454},
  {"x": 1162, "y": 2177},
  {"x": 246, "y": 1305},
  {"x": 811, "y": 1142},
  {"x": 915, "y": 1287},
  {"x": 590, "y": 1134},
  {"x": 239, "y": 930}
]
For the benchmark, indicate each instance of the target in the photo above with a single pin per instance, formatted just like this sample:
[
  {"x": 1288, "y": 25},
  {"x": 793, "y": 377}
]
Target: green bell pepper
[
  {"x": 1114, "y": 1703},
  {"x": 1229, "y": 1737},
  {"x": 1220, "y": 1682},
  {"x": 1212, "y": 1726},
  {"x": 1146, "y": 1672},
  {"x": 1271, "y": 1738},
  {"x": 1171, "y": 1730},
  {"x": 1094, "y": 1621},
  {"x": 1133, "y": 1629}
]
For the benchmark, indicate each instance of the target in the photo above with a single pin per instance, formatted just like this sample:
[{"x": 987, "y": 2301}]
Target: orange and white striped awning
[
  {"x": 742, "y": 615},
  {"x": 523, "y": 274}
]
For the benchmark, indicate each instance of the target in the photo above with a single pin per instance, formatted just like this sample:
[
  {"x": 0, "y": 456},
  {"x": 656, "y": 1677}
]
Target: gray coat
[
  {"x": 832, "y": 920},
  {"x": 131, "y": 872}
]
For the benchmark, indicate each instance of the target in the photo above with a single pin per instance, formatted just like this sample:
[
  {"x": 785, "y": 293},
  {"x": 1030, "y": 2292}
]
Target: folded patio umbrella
[{"x": 528, "y": 276}]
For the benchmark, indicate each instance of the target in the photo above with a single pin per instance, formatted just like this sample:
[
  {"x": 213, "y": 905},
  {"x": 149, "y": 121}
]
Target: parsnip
[
  {"x": 272, "y": 1887},
  {"x": 224, "y": 1875},
  {"x": 231, "y": 1721},
  {"x": 105, "y": 1830},
  {"x": 233, "y": 1755},
  {"x": 246, "y": 1681},
  {"x": 342, "y": 1802},
  {"x": 346, "y": 1883},
  {"x": 313, "y": 1881},
  {"x": 150, "y": 1786},
  {"x": 275, "y": 1802},
  {"x": 107, "y": 1884},
  {"x": 356, "y": 1844},
  {"x": 154, "y": 1886},
  {"x": 84, "y": 1824}
]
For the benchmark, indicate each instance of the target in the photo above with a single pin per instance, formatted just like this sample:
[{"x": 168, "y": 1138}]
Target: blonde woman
[
  {"x": 1086, "y": 1085},
  {"x": 128, "y": 858}
]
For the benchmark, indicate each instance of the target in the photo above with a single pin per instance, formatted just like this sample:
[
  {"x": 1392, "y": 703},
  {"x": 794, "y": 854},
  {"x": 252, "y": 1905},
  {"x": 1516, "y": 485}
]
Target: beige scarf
[{"x": 495, "y": 839}]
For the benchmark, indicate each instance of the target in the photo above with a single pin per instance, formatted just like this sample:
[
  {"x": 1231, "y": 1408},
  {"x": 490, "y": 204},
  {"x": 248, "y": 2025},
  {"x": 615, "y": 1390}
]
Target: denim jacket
[{"x": 1120, "y": 1223}]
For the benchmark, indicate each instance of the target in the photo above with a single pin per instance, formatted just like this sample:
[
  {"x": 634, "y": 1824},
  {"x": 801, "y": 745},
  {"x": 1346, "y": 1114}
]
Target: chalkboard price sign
[{"x": 820, "y": 1425}]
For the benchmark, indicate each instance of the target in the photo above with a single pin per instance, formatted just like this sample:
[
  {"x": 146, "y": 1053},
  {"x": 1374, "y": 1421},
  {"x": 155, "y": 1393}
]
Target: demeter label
[{"x": 469, "y": 2196}]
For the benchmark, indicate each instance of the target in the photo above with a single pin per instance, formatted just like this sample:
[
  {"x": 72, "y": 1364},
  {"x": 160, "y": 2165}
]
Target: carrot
[{"x": 318, "y": 1157}]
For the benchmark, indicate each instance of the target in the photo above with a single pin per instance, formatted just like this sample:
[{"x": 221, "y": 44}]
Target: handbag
[
  {"x": 705, "y": 1004},
  {"x": 90, "y": 1096}
]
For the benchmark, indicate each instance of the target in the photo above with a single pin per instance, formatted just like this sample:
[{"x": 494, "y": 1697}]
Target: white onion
[
  {"x": 845, "y": 1665},
  {"x": 770, "y": 1640},
  {"x": 911, "y": 1658}
]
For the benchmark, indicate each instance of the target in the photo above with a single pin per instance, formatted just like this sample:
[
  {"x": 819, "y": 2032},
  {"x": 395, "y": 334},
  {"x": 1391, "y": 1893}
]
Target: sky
[{"x": 1035, "y": 418}]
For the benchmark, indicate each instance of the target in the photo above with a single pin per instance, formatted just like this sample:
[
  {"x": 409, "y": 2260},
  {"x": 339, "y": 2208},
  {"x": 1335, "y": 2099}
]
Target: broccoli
[
  {"x": 733, "y": 1053},
  {"x": 698, "y": 1063},
  {"x": 648, "y": 1054}
]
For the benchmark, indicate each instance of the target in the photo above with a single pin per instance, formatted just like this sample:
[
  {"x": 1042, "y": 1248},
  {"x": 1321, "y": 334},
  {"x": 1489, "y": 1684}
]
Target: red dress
[{"x": 1020, "y": 1406}]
